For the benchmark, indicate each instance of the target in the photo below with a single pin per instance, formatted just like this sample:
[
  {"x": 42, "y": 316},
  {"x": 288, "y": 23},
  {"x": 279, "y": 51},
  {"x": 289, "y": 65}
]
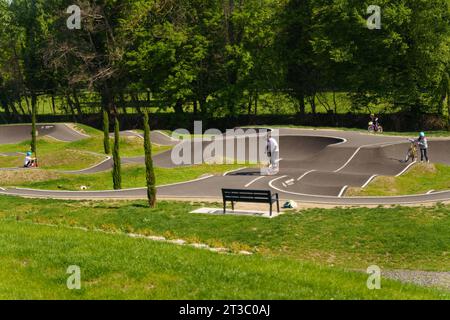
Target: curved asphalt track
[
  {"x": 16, "y": 133},
  {"x": 317, "y": 167},
  {"x": 21, "y": 132}
]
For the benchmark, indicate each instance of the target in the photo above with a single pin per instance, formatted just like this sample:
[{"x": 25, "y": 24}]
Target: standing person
[
  {"x": 423, "y": 145},
  {"x": 273, "y": 151}
]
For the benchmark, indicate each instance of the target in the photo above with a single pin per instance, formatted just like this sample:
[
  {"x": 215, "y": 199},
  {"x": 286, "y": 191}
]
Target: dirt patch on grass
[
  {"x": 382, "y": 183},
  {"x": 21, "y": 176},
  {"x": 405, "y": 184},
  {"x": 72, "y": 159},
  {"x": 10, "y": 161},
  {"x": 424, "y": 168}
]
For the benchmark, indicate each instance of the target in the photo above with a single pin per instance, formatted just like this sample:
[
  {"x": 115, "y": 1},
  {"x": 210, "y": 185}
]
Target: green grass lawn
[
  {"x": 133, "y": 176},
  {"x": 420, "y": 179},
  {"x": 392, "y": 238},
  {"x": 129, "y": 146},
  {"x": 51, "y": 154},
  {"x": 35, "y": 259},
  {"x": 10, "y": 161}
]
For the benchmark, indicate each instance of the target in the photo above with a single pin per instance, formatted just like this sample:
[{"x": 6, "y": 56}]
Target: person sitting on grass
[
  {"x": 29, "y": 160},
  {"x": 423, "y": 145}
]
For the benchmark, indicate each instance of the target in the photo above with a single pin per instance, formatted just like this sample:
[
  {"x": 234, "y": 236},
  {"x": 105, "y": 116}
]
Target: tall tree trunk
[
  {"x": 117, "y": 175},
  {"x": 53, "y": 104},
  {"x": 5, "y": 105},
  {"x": 336, "y": 121},
  {"x": 72, "y": 107},
  {"x": 150, "y": 173},
  {"x": 106, "y": 143},
  {"x": 28, "y": 104},
  {"x": 19, "y": 103},
  {"x": 123, "y": 103},
  {"x": 202, "y": 102},
  {"x": 448, "y": 106},
  {"x": 136, "y": 105},
  {"x": 334, "y": 102},
  {"x": 312, "y": 102},
  {"x": 195, "y": 107},
  {"x": 302, "y": 104},
  {"x": 16, "y": 114},
  {"x": 77, "y": 103},
  {"x": 256, "y": 102},
  {"x": 33, "y": 122},
  {"x": 179, "y": 107},
  {"x": 106, "y": 102}
]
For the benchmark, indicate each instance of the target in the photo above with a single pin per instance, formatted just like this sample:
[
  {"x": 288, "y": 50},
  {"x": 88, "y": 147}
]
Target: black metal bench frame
[{"x": 250, "y": 196}]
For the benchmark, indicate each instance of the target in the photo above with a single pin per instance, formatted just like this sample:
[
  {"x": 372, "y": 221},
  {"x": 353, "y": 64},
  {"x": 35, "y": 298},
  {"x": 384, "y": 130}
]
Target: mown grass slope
[
  {"x": 35, "y": 259},
  {"x": 392, "y": 238},
  {"x": 420, "y": 179}
]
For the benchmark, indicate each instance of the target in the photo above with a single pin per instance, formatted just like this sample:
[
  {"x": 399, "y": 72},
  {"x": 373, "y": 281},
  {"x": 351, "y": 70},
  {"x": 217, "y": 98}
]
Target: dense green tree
[
  {"x": 92, "y": 57},
  {"x": 214, "y": 54},
  {"x": 117, "y": 166},
  {"x": 106, "y": 142},
  {"x": 218, "y": 56},
  {"x": 402, "y": 64},
  {"x": 149, "y": 170}
]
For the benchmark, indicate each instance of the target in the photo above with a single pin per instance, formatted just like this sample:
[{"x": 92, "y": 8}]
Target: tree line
[{"x": 218, "y": 56}]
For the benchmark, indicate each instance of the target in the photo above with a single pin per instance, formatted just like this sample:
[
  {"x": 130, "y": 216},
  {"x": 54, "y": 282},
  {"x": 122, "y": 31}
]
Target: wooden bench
[{"x": 252, "y": 196}]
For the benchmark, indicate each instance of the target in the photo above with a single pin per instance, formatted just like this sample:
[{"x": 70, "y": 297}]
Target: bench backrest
[{"x": 247, "y": 195}]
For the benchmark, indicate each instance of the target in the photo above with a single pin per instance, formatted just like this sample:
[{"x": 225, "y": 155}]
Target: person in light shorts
[{"x": 273, "y": 152}]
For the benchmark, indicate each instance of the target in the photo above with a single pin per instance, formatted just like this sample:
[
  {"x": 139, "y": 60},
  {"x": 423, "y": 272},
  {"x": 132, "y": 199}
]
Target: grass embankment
[
  {"x": 57, "y": 155},
  {"x": 421, "y": 178},
  {"x": 394, "y": 238},
  {"x": 133, "y": 176},
  {"x": 35, "y": 260}
]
